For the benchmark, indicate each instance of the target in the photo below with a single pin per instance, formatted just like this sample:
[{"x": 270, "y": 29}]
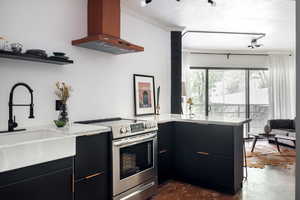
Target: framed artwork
[{"x": 144, "y": 94}]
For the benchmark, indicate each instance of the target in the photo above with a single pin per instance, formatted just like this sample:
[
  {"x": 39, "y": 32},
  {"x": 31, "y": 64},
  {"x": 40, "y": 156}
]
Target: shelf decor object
[
  {"x": 63, "y": 93},
  {"x": 157, "y": 102},
  {"x": 144, "y": 95},
  {"x": 26, "y": 57}
]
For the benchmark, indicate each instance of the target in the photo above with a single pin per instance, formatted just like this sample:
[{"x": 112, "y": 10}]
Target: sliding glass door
[
  {"x": 197, "y": 90},
  {"x": 231, "y": 92},
  {"x": 227, "y": 96},
  {"x": 259, "y": 110}
]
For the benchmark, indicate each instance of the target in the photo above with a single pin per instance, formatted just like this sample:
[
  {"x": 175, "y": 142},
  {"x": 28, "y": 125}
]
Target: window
[
  {"x": 231, "y": 92},
  {"x": 227, "y": 96},
  {"x": 197, "y": 90},
  {"x": 259, "y": 99}
]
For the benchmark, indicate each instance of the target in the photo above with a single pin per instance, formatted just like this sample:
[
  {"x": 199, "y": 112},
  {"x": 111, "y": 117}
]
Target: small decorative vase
[
  {"x": 267, "y": 129},
  {"x": 63, "y": 115},
  {"x": 190, "y": 109}
]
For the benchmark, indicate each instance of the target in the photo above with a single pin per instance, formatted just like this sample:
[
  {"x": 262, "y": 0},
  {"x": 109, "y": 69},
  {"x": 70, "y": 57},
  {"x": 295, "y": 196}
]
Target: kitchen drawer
[
  {"x": 22, "y": 174},
  {"x": 57, "y": 185},
  {"x": 192, "y": 167},
  {"x": 94, "y": 187},
  {"x": 214, "y": 139},
  {"x": 92, "y": 155},
  {"x": 204, "y": 169}
]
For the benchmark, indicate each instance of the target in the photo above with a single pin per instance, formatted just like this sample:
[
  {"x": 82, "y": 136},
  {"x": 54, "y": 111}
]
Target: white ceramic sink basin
[{"x": 22, "y": 149}]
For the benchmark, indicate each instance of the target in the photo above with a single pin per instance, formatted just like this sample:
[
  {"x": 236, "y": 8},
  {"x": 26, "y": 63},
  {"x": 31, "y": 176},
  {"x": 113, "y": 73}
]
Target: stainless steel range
[{"x": 134, "y": 158}]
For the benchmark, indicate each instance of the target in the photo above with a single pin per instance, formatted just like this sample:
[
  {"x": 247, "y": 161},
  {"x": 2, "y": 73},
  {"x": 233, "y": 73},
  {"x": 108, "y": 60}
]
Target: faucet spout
[{"x": 12, "y": 120}]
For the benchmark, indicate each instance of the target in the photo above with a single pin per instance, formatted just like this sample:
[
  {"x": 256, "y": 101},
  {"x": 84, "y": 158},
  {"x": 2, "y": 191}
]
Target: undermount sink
[{"x": 22, "y": 149}]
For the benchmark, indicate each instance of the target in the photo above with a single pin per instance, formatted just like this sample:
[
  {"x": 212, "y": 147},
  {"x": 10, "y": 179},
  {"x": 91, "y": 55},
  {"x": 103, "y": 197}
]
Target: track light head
[
  {"x": 144, "y": 3},
  {"x": 212, "y": 3},
  {"x": 254, "y": 44}
]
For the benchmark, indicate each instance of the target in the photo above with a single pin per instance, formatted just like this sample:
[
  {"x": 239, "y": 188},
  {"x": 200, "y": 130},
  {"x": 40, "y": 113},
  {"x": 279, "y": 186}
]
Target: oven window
[{"x": 136, "y": 158}]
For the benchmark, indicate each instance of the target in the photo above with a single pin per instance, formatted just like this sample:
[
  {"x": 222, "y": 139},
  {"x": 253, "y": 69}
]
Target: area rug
[
  {"x": 174, "y": 190},
  {"x": 266, "y": 154}
]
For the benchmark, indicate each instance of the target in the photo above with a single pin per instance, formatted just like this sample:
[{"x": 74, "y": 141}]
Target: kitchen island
[{"x": 206, "y": 151}]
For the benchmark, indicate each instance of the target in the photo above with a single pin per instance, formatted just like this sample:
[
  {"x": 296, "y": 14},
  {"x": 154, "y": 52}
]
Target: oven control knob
[
  {"x": 123, "y": 130},
  {"x": 128, "y": 129}
]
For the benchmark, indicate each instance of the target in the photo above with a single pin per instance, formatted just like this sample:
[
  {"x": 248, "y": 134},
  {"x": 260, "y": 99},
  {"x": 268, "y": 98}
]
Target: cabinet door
[
  {"x": 222, "y": 172},
  {"x": 56, "y": 186},
  {"x": 165, "y": 136},
  {"x": 165, "y": 152},
  {"x": 164, "y": 167},
  {"x": 93, "y": 188},
  {"x": 91, "y": 155}
]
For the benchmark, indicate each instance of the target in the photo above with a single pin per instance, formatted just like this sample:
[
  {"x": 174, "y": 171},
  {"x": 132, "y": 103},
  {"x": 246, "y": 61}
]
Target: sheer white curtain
[
  {"x": 185, "y": 80},
  {"x": 282, "y": 89}
]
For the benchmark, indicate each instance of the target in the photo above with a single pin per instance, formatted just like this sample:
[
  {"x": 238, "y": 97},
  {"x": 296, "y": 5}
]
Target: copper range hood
[{"x": 104, "y": 22}]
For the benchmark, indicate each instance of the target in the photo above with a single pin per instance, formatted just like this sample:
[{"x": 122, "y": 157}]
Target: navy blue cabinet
[
  {"x": 91, "y": 169},
  {"x": 209, "y": 155},
  {"x": 165, "y": 149},
  {"x": 47, "y": 181}
]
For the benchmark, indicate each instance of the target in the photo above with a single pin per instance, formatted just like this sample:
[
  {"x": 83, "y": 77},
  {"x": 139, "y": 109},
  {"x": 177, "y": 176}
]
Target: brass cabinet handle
[
  {"x": 163, "y": 151},
  {"x": 203, "y": 153},
  {"x": 94, "y": 175}
]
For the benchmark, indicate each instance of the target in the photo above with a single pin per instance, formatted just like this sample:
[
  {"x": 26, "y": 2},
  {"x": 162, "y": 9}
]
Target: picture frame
[{"x": 144, "y": 95}]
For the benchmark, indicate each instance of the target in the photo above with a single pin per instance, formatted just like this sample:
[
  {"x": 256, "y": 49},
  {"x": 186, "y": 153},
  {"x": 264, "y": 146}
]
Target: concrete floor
[{"x": 270, "y": 183}]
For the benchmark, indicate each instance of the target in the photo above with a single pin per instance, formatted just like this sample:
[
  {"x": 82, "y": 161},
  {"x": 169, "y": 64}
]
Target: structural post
[{"x": 176, "y": 71}]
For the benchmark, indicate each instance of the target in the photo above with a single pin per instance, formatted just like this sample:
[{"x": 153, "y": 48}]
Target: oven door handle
[{"x": 134, "y": 141}]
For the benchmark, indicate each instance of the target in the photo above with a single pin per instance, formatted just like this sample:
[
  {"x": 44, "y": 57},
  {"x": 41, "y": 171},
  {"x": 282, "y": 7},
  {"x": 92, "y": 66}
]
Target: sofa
[{"x": 283, "y": 127}]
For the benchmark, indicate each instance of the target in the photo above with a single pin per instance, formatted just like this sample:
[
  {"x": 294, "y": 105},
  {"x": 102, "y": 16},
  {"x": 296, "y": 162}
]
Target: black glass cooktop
[{"x": 109, "y": 122}]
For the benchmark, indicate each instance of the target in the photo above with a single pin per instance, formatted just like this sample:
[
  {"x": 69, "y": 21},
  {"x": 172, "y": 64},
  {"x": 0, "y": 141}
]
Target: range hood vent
[{"x": 104, "y": 19}]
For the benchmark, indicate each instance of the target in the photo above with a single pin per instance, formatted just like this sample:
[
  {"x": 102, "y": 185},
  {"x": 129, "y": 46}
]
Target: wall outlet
[{"x": 58, "y": 105}]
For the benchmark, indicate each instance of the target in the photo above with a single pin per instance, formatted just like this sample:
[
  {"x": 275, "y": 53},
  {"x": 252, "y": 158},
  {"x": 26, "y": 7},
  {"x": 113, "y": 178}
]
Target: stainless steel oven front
[{"x": 134, "y": 165}]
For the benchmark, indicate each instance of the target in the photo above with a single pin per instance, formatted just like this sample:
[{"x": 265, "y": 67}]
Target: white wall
[
  {"x": 200, "y": 60},
  {"x": 297, "y": 100},
  {"x": 102, "y": 83}
]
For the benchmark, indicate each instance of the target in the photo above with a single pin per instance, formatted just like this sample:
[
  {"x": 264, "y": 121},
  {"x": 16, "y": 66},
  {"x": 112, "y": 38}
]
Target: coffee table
[{"x": 259, "y": 136}]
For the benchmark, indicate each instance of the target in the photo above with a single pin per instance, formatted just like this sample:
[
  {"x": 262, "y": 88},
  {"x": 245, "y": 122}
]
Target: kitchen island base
[{"x": 207, "y": 155}]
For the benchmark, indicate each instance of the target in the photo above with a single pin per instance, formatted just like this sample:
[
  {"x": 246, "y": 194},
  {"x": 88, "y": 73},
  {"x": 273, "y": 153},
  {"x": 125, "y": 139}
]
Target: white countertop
[
  {"x": 164, "y": 118},
  {"x": 41, "y": 144},
  {"x": 82, "y": 130}
]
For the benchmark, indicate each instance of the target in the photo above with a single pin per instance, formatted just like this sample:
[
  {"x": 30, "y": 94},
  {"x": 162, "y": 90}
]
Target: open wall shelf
[{"x": 26, "y": 57}]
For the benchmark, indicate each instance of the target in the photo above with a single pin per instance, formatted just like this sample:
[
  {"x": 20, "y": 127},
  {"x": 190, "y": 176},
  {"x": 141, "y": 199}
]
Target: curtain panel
[{"x": 282, "y": 89}]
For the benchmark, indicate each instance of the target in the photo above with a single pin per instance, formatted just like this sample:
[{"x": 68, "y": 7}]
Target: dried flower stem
[{"x": 63, "y": 91}]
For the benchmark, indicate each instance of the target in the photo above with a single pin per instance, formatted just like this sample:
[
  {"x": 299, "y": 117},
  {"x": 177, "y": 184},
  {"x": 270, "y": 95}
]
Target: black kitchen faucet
[{"x": 12, "y": 124}]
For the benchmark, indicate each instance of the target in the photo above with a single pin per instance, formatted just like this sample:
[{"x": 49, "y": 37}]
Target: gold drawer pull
[
  {"x": 203, "y": 153},
  {"x": 92, "y": 176},
  {"x": 163, "y": 151}
]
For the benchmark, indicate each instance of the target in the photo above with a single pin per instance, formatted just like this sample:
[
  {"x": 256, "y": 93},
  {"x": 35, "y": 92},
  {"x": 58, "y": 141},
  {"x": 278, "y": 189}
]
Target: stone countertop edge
[
  {"x": 78, "y": 130},
  {"x": 165, "y": 118},
  {"x": 75, "y": 130}
]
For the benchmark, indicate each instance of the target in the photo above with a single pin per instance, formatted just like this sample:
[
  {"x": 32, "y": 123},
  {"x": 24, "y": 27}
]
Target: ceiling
[{"x": 276, "y": 18}]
